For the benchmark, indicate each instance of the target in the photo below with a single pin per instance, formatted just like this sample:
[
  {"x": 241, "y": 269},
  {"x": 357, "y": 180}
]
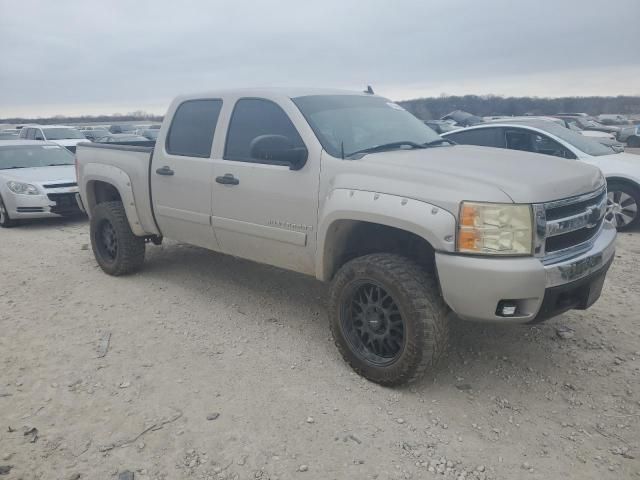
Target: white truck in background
[{"x": 354, "y": 190}]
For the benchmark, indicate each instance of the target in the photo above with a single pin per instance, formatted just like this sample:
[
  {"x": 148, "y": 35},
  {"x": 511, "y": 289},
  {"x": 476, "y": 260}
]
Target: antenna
[
  {"x": 342, "y": 149},
  {"x": 369, "y": 90}
]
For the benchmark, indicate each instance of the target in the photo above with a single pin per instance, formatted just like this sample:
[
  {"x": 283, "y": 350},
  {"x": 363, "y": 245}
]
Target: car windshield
[
  {"x": 62, "y": 133},
  {"x": 582, "y": 143},
  {"x": 351, "y": 123},
  {"x": 29, "y": 156}
]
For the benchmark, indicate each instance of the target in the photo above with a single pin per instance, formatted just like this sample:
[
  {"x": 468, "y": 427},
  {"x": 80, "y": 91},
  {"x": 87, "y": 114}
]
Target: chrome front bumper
[{"x": 474, "y": 286}]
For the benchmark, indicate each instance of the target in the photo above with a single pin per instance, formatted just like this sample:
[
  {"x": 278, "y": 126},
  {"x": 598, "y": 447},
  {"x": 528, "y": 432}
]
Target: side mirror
[{"x": 278, "y": 149}]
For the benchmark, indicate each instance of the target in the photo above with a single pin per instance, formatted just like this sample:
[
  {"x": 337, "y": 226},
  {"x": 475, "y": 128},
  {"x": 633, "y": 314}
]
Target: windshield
[
  {"x": 62, "y": 133},
  {"x": 28, "y": 156},
  {"x": 582, "y": 143},
  {"x": 352, "y": 123}
]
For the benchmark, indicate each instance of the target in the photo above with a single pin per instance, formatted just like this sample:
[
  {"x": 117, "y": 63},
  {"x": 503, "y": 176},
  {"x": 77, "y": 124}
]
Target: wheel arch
[
  {"x": 357, "y": 223},
  {"x": 105, "y": 183}
]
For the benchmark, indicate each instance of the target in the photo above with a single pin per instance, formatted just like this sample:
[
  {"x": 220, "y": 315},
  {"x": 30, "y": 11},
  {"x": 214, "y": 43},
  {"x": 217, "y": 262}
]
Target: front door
[{"x": 262, "y": 209}]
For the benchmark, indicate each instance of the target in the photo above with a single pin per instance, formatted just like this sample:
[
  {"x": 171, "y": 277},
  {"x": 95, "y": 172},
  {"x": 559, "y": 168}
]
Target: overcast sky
[{"x": 87, "y": 57}]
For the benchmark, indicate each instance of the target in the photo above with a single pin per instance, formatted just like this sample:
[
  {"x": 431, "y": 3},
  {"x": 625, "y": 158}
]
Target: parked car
[
  {"x": 441, "y": 126},
  {"x": 94, "y": 134},
  {"x": 463, "y": 119},
  {"x": 622, "y": 132},
  {"x": 123, "y": 138},
  {"x": 601, "y": 137},
  {"x": 149, "y": 134},
  {"x": 122, "y": 128},
  {"x": 8, "y": 135},
  {"x": 37, "y": 180},
  {"x": 622, "y": 170},
  {"x": 353, "y": 189},
  {"x": 68, "y": 137},
  {"x": 613, "y": 119}
]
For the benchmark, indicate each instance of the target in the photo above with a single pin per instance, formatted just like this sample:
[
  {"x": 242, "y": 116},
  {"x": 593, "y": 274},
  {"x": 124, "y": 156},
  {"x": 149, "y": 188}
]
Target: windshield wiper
[
  {"x": 439, "y": 141},
  {"x": 387, "y": 146},
  {"x": 11, "y": 168},
  {"x": 58, "y": 164}
]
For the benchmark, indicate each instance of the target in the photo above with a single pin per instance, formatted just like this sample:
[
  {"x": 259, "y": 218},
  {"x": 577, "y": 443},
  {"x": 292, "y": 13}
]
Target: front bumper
[
  {"x": 55, "y": 203},
  {"x": 474, "y": 286}
]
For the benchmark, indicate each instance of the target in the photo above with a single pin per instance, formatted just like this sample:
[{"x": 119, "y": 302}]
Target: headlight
[
  {"x": 495, "y": 229},
  {"x": 23, "y": 188}
]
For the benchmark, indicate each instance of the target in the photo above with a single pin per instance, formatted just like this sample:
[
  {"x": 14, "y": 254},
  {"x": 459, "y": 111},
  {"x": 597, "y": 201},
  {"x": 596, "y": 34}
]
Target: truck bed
[{"x": 129, "y": 166}]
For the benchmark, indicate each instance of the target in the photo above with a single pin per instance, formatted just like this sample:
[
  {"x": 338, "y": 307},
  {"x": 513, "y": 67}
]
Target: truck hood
[
  {"x": 62, "y": 174},
  {"x": 465, "y": 172}
]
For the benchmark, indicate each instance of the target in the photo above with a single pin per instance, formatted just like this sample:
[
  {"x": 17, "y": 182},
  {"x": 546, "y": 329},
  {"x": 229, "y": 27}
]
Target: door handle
[
  {"x": 228, "y": 179},
  {"x": 165, "y": 171}
]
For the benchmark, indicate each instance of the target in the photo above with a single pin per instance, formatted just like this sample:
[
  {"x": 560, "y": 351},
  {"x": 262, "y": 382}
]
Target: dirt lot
[{"x": 219, "y": 368}]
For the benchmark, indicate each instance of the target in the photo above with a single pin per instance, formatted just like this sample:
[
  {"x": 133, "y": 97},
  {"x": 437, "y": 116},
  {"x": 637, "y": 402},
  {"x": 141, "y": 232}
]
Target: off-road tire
[
  {"x": 5, "y": 220},
  {"x": 424, "y": 314},
  {"x": 129, "y": 256},
  {"x": 633, "y": 192}
]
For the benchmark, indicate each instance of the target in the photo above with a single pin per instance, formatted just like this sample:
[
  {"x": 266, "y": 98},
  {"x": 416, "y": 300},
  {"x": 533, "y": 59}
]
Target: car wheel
[
  {"x": 623, "y": 201},
  {"x": 388, "y": 318},
  {"x": 633, "y": 142},
  {"x": 5, "y": 220},
  {"x": 117, "y": 250}
]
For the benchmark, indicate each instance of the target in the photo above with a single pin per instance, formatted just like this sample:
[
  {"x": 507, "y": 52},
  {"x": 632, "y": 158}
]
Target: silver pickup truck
[{"x": 354, "y": 190}]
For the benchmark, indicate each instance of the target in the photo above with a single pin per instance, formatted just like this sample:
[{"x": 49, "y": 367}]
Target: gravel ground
[{"x": 218, "y": 368}]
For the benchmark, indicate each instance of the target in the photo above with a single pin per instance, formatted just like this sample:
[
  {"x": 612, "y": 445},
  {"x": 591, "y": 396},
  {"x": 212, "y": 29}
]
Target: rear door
[
  {"x": 182, "y": 173},
  {"x": 262, "y": 209}
]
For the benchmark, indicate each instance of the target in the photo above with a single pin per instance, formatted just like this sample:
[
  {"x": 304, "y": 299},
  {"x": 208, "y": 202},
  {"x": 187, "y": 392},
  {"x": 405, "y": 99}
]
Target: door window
[
  {"x": 253, "y": 118},
  {"x": 535, "y": 142},
  {"x": 483, "y": 137},
  {"x": 192, "y": 128}
]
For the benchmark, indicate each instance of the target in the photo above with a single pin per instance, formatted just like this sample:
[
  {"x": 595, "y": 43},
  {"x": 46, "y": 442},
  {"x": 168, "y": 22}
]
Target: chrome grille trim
[{"x": 590, "y": 217}]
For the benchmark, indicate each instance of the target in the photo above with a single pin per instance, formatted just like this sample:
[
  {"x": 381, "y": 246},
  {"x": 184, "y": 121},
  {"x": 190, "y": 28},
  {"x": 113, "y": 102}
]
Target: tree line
[
  {"x": 487, "y": 105},
  {"x": 426, "y": 108},
  {"x": 138, "y": 116}
]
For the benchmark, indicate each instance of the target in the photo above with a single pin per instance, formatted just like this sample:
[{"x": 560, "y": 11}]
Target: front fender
[
  {"x": 434, "y": 224},
  {"x": 98, "y": 172}
]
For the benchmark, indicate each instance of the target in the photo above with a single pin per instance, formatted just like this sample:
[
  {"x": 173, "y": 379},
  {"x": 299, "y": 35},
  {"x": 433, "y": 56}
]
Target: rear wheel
[
  {"x": 633, "y": 142},
  {"x": 623, "y": 202},
  {"x": 388, "y": 319},
  {"x": 117, "y": 250},
  {"x": 5, "y": 219}
]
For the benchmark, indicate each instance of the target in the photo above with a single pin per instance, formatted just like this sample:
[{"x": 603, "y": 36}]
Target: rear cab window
[{"x": 192, "y": 128}]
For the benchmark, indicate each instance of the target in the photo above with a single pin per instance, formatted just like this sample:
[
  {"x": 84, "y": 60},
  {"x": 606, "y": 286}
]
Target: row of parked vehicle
[
  {"x": 69, "y": 136},
  {"x": 610, "y": 130},
  {"x": 408, "y": 226}
]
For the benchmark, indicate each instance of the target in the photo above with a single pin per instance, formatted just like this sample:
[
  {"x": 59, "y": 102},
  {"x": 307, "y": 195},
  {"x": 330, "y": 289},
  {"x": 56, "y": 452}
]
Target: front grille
[
  {"x": 65, "y": 203},
  {"x": 570, "y": 224},
  {"x": 60, "y": 185}
]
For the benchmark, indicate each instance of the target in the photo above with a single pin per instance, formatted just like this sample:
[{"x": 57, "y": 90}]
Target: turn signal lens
[{"x": 495, "y": 229}]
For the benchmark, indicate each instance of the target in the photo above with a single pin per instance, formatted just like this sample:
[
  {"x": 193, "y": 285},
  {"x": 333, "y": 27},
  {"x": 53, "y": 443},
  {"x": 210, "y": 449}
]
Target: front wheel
[
  {"x": 5, "y": 220},
  {"x": 388, "y": 318},
  {"x": 623, "y": 201},
  {"x": 117, "y": 250}
]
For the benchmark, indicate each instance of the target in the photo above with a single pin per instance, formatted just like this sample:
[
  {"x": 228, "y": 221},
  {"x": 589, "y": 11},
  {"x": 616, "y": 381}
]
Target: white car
[
  {"x": 37, "y": 180},
  {"x": 63, "y": 135},
  {"x": 622, "y": 170}
]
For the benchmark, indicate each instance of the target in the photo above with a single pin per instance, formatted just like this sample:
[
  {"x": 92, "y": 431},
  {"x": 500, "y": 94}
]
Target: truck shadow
[{"x": 261, "y": 292}]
